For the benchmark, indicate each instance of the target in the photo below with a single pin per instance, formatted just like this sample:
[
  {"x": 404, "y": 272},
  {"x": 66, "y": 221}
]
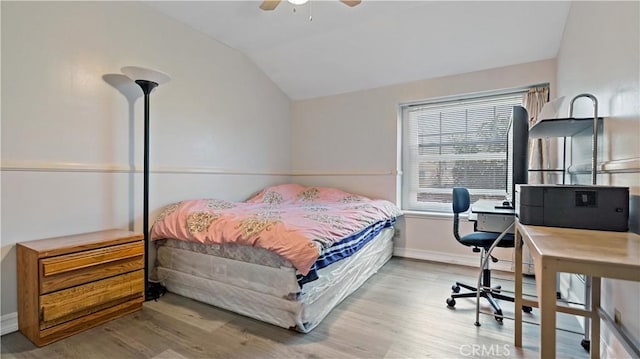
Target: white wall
[
  {"x": 600, "y": 54},
  {"x": 350, "y": 141},
  {"x": 72, "y": 126}
]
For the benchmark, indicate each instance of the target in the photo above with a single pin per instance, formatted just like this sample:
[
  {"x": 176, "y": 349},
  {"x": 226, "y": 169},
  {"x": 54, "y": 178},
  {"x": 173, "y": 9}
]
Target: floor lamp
[{"x": 147, "y": 80}]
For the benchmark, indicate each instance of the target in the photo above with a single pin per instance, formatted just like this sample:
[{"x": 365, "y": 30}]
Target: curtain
[{"x": 541, "y": 155}]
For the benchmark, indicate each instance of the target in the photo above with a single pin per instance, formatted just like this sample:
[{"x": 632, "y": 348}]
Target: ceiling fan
[{"x": 269, "y": 5}]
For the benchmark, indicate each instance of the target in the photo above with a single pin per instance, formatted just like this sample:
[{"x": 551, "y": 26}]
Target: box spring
[{"x": 267, "y": 293}]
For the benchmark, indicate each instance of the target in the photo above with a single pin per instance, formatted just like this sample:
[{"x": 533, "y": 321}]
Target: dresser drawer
[
  {"x": 72, "y": 269},
  {"x": 72, "y": 303}
]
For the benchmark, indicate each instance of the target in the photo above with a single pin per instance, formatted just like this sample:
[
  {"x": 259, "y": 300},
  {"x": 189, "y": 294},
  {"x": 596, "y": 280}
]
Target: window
[{"x": 460, "y": 142}]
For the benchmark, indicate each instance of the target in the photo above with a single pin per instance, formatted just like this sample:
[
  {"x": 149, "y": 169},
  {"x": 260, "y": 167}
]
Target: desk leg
[
  {"x": 518, "y": 293},
  {"x": 547, "y": 300},
  {"x": 595, "y": 318}
]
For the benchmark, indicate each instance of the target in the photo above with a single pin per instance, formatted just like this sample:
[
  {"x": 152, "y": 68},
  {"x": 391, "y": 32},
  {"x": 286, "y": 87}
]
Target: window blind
[{"x": 462, "y": 142}]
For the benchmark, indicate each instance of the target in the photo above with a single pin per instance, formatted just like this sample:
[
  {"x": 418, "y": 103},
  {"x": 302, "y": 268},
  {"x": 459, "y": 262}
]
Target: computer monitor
[{"x": 517, "y": 152}]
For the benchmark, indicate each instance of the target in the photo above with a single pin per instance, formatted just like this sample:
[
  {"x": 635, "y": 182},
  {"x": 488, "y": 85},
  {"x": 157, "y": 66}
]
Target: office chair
[{"x": 481, "y": 242}]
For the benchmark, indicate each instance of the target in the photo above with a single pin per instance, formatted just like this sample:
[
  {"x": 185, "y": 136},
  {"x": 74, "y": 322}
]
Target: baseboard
[
  {"x": 469, "y": 261},
  {"x": 9, "y": 323},
  {"x": 564, "y": 284},
  {"x": 575, "y": 294},
  {"x": 606, "y": 351}
]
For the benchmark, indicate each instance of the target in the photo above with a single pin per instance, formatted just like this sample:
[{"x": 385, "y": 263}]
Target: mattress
[
  {"x": 297, "y": 223},
  {"x": 261, "y": 285}
]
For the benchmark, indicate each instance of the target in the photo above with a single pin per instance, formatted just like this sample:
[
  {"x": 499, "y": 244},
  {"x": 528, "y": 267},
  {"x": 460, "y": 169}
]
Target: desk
[
  {"x": 488, "y": 218},
  {"x": 598, "y": 254}
]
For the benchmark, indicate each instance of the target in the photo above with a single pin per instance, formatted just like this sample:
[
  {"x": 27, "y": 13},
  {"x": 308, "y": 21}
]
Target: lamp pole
[
  {"x": 146, "y": 86},
  {"x": 147, "y": 79}
]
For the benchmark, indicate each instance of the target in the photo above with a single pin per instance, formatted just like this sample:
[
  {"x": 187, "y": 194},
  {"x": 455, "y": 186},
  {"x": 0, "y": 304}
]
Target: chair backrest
[{"x": 461, "y": 201}]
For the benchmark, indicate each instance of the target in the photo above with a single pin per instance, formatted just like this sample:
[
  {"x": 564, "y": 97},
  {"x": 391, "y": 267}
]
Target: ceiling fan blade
[
  {"x": 269, "y": 5},
  {"x": 351, "y": 3}
]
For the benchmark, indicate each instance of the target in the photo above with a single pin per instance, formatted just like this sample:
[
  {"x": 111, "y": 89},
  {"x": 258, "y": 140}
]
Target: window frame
[{"x": 408, "y": 197}]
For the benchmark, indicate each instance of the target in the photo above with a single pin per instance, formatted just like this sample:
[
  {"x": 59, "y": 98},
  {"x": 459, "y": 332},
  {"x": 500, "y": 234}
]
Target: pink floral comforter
[{"x": 293, "y": 221}]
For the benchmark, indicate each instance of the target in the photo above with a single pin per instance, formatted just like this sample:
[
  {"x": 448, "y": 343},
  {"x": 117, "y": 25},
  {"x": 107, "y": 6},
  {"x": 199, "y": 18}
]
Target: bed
[{"x": 287, "y": 256}]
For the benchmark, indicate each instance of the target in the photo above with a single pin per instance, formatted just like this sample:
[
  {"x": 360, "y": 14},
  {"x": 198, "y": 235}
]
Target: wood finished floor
[{"x": 398, "y": 313}]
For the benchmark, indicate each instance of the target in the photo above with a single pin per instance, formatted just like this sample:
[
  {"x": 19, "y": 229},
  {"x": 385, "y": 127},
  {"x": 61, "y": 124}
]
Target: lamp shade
[{"x": 140, "y": 73}]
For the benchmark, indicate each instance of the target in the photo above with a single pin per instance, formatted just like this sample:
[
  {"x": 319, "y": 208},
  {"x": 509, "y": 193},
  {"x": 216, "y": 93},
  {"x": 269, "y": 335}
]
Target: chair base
[{"x": 490, "y": 294}]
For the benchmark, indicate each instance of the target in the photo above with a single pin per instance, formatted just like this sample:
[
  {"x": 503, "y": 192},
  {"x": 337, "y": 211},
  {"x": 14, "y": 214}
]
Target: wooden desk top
[{"x": 588, "y": 247}]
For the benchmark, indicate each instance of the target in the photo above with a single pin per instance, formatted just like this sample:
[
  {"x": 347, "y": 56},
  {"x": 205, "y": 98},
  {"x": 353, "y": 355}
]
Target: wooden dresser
[{"x": 72, "y": 283}]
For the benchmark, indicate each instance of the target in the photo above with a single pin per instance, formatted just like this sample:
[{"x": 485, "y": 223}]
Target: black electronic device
[
  {"x": 604, "y": 208},
  {"x": 517, "y": 154}
]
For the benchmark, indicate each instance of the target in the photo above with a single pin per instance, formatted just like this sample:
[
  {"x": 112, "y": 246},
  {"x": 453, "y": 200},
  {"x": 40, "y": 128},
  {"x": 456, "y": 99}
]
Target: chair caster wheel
[
  {"x": 498, "y": 316},
  {"x": 586, "y": 344},
  {"x": 455, "y": 288},
  {"x": 451, "y": 302},
  {"x": 526, "y": 309}
]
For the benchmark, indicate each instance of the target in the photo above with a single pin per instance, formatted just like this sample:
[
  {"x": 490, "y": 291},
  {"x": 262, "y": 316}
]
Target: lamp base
[{"x": 155, "y": 290}]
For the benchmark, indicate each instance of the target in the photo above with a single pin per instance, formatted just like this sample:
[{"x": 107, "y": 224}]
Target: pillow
[
  {"x": 277, "y": 194},
  {"x": 296, "y": 193},
  {"x": 327, "y": 194}
]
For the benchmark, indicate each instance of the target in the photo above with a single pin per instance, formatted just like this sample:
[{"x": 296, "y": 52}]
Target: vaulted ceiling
[{"x": 377, "y": 43}]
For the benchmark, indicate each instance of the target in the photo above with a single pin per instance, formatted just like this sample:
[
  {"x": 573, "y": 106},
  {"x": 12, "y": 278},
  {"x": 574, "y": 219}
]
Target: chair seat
[{"x": 486, "y": 239}]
